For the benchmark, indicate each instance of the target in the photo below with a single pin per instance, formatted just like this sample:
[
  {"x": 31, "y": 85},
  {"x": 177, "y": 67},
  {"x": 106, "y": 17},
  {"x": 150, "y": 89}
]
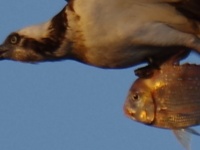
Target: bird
[{"x": 110, "y": 34}]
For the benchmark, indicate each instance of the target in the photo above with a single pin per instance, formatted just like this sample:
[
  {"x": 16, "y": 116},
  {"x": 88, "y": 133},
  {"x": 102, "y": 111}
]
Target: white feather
[{"x": 36, "y": 31}]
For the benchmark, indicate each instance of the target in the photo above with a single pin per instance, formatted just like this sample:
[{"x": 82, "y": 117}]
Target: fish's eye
[
  {"x": 135, "y": 97},
  {"x": 14, "y": 39}
]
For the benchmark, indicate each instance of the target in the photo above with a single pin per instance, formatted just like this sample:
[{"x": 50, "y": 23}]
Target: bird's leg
[
  {"x": 155, "y": 64},
  {"x": 147, "y": 71}
]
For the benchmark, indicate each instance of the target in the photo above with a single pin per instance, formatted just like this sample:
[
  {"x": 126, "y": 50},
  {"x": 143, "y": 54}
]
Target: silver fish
[{"x": 169, "y": 98}]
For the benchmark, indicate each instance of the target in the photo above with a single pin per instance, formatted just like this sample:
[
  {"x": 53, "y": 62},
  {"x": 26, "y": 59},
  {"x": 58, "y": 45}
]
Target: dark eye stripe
[{"x": 44, "y": 46}]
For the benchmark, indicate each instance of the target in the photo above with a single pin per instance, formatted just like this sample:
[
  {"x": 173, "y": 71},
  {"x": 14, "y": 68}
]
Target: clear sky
[{"x": 67, "y": 105}]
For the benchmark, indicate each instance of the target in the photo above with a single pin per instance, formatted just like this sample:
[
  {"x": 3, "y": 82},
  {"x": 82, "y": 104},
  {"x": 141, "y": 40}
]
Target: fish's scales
[{"x": 178, "y": 100}]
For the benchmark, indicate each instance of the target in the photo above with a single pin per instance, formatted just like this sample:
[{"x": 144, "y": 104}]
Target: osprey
[{"x": 110, "y": 33}]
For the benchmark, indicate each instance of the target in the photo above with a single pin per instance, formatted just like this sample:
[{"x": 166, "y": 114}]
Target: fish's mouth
[{"x": 129, "y": 113}]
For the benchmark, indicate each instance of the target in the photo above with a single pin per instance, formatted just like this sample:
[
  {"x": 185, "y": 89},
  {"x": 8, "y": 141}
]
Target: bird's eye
[{"x": 14, "y": 39}]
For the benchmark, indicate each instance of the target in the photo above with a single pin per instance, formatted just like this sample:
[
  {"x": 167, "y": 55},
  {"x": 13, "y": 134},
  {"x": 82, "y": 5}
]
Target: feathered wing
[
  {"x": 190, "y": 8},
  {"x": 187, "y": 12}
]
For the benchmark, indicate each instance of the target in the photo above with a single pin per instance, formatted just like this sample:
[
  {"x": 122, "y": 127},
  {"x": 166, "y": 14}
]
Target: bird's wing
[{"x": 189, "y": 8}]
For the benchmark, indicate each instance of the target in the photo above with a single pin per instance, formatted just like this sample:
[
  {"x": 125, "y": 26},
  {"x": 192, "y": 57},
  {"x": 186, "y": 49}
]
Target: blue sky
[{"x": 67, "y": 105}]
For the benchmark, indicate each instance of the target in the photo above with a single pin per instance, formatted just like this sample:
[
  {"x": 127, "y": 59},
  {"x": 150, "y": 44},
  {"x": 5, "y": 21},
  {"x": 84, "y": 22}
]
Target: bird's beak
[{"x": 3, "y": 49}]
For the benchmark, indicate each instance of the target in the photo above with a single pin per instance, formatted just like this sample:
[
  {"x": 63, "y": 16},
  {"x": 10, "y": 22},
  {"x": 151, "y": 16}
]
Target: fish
[{"x": 169, "y": 98}]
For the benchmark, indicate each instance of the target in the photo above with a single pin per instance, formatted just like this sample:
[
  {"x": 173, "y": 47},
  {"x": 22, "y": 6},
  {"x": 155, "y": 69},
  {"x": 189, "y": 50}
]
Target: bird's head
[{"x": 36, "y": 43}]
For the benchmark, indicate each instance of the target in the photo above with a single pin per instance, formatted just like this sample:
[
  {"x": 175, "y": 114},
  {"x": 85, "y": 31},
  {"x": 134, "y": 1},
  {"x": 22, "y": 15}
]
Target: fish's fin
[
  {"x": 192, "y": 131},
  {"x": 183, "y": 137}
]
